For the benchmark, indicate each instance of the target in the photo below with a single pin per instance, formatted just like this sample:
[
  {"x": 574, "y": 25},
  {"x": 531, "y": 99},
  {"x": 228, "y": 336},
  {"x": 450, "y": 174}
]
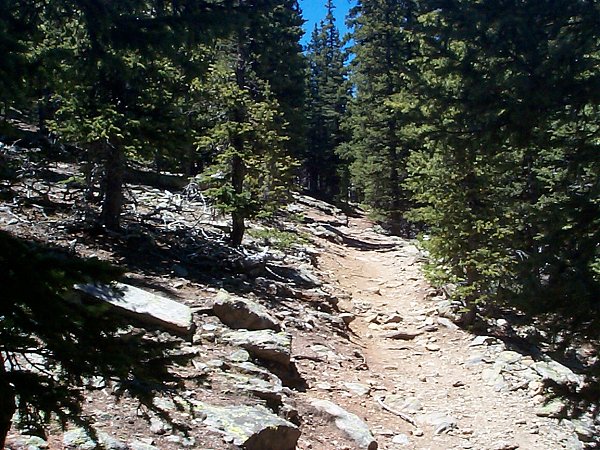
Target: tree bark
[
  {"x": 238, "y": 226},
  {"x": 7, "y": 404},
  {"x": 114, "y": 168}
]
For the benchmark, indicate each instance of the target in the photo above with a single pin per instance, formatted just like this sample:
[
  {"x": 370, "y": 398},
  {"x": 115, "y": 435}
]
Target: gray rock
[
  {"x": 481, "y": 340},
  {"x": 400, "y": 439},
  {"x": 509, "y": 357},
  {"x": 251, "y": 427},
  {"x": 441, "y": 422},
  {"x": 27, "y": 442},
  {"x": 139, "y": 445},
  {"x": 241, "y": 313},
  {"x": 239, "y": 356},
  {"x": 143, "y": 306},
  {"x": 358, "y": 388},
  {"x": 78, "y": 439},
  {"x": 157, "y": 426},
  {"x": 405, "y": 335},
  {"x": 553, "y": 408},
  {"x": 585, "y": 429},
  {"x": 447, "y": 323},
  {"x": 354, "y": 427},
  {"x": 404, "y": 404},
  {"x": 263, "y": 344},
  {"x": 559, "y": 374},
  {"x": 257, "y": 381}
]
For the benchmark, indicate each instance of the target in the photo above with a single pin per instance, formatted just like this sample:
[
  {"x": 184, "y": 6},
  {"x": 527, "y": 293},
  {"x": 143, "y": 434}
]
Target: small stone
[
  {"x": 481, "y": 340},
  {"x": 240, "y": 356},
  {"x": 139, "y": 445},
  {"x": 417, "y": 432},
  {"x": 394, "y": 318},
  {"x": 447, "y": 323},
  {"x": 433, "y": 347},
  {"x": 553, "y": 408},
  {"x": 347, "y": 318},
  {"x": 400, "y": 439},
  {"x": 157, "y": 426},
  {"x": 358, "y": 388}
]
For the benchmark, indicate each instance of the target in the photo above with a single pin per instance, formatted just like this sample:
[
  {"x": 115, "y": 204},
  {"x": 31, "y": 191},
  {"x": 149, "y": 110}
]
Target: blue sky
[{"x": 313, "y": 11}]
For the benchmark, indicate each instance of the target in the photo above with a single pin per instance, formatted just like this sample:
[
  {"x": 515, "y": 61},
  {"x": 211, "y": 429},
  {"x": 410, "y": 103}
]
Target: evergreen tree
[
  {"x": 378, "y": 149},
  {"x": 507, "y": 173},
  {"x": 275, "y": 56},
  {"x": 250, "y": 171},
  {"x": 328, "y": 96},
  {"x": 50, "y": 346}
]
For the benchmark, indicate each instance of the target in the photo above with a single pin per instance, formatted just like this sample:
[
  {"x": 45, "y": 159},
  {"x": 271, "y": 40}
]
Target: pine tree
[
  {"x": 275, "y": 56},
  {"x": 50, "y": 346},
  {"x": 249, "y": 174},
  {"x": 505, "y": 173},
  {"x": 378, "y": 149},
  {"x": 328, "y": 96}
]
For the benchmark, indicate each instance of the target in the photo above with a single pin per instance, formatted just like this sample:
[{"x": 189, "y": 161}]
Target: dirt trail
[{"x": 437, "y": 379}]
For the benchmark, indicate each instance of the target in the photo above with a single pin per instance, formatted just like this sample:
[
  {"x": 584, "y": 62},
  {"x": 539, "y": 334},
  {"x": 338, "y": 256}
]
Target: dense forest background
[{"x": 474, "y": 123}]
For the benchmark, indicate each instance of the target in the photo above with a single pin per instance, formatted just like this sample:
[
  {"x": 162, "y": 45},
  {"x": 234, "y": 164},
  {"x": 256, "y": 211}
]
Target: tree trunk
[
  {"x": 238, "y": 227},
  {"x": 114, "y": 168},
  {"x": 7, "y": 404}
]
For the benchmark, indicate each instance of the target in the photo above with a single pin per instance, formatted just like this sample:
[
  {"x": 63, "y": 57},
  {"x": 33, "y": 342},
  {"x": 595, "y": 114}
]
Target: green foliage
[
  {"x": 505, "y": 107},
  {"x": 49, "y": 346},
  {"x": 328, "y": 96},
  {"x": 379, "y": 144},
  {"x": 281, "y": 240},
  {"x": 247, "y": 138}
]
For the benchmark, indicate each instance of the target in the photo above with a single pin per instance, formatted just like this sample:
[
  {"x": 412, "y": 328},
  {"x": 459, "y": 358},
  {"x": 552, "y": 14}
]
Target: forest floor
[{"x": 416, "y": 379}]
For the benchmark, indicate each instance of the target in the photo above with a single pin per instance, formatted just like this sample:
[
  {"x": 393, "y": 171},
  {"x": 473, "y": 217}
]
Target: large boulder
[
  {"x": 350, "y": 424},
  {"x": 263, "y": 344},
  {"x": 143, "y": 306},
  {"x": 237, "y": 312},
  {"x": 250, "y": 427}
]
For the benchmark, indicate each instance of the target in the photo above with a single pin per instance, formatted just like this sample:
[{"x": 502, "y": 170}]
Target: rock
[
  {"x": 405, "y": 404},
  {"x": 78, "y": 439},
  {"x": 157, "y": 426},
  {"x": 584, "y": 428},
  {"x": 559, "y": 374},
  {"x": 481, "y": 340},
  {"x": 358, "y": 388},
  {"x": 139, "y": 445},
  {"x": 143, "y": 306},
  {"x": 447, "y": 323},
  {"x": 508, "y": 357},
  {"x": 394, "y": 318},
  {"x": 251, "y": 427},
  {"x": 237, "y": 312},
  {"x": 553, "y": 408},
  {"x": 504, "y": 445},
  {"x": 405, "y": 335},
  {"x": 440, "y": 421},
  {"x": 400, "y": 439},
  {"x": 433, "y": 347},
  {"x": 347, "y": 318},
  {"x": 354, "y": 427},
  {"x": 257, "y": 381},
  {"x": 27, "y": 442},
  {"x": 263, "y": 344},
  {"x": 239, "y": 356}
]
